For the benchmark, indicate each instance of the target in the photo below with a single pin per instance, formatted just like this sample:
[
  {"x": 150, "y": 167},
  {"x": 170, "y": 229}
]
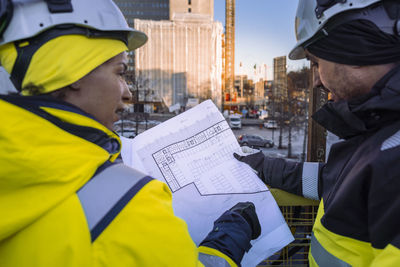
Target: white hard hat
[
  {"x": 23, "y": 19},
  {"x": 313, "y": 15}
]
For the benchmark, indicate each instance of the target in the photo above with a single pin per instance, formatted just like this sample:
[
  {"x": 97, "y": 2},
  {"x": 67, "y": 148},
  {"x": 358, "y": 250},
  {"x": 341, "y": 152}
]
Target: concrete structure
[
  {"x": 200, "y": 7},
  {"x": 249, "y": 94},
  {"x": 280, "y": 79},
  {"x": 144, "y": 9},
  {"x": 268, "y": 88},
  {"x": 182, "y": 59},
  {"x": 259, "y": 89},
  {"x": 164, "y": 9},
  {"x": 240, "y": 81}
]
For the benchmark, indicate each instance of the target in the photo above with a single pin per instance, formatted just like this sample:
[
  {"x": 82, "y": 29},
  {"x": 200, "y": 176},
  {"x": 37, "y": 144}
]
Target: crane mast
[{"x": 229, "y": 47}]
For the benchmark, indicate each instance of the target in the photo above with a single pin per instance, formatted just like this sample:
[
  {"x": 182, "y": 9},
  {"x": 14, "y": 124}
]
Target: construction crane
[{"x": 229, "y": 47}]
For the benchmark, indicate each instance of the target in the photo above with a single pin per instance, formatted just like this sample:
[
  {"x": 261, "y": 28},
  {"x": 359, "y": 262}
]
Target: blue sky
[{"x": 264, "y": 30}]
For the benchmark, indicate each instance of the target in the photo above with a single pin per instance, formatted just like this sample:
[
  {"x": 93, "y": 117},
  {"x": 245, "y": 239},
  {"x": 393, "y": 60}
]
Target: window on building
[
  {"x": 189, "y": 2},
  {"x": 190, "y": 10}
]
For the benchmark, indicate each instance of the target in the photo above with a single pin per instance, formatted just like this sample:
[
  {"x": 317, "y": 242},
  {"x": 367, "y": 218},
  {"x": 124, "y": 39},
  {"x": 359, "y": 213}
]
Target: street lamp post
[{"x": 280, "y": 122}]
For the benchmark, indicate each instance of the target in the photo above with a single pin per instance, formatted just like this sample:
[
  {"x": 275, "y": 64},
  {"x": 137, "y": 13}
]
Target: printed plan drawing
[
  {"x": 193, "y": 154},
  {"x": 203, "y": 169}
]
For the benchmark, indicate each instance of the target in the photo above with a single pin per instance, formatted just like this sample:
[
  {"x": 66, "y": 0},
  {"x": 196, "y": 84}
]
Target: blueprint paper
[{"x": 193, "y": 154}]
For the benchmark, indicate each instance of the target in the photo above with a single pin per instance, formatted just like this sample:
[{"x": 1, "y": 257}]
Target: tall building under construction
[
  {"x": 183, "y": 58},
  {"x": 144, "y": 9},
  {"x": 280, "y": 79}
]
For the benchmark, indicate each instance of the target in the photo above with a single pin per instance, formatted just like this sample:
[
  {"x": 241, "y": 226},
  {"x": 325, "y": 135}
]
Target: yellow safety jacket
[{"x": 65, "y": 201}]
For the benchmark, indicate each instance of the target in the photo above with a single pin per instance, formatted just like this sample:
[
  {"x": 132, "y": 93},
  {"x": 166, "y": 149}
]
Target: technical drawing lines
[
  {"x": 195, "y": 140},
  {"x": 188, "y": 150},
  {"x": 211, "y": 161},
  {"x": 221, "y": 184},
  {"x": 169, "y": 176},
  {"x": 247, "y": 184}
]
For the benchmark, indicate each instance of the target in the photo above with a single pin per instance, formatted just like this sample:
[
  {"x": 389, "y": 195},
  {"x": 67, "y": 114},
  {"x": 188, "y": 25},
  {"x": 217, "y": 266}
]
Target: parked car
[
  {"x": 235, "y": 122},
  {"x": 270, "y": 124},
  {"x": 254, "y": 141}
]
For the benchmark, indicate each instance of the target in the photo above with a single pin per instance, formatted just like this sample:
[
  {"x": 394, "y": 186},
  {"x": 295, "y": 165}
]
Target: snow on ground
[{"x": 296, "y": 140}]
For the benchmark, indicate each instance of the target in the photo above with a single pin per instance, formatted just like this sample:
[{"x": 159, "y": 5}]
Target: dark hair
[{"x": 33, "y": 89}]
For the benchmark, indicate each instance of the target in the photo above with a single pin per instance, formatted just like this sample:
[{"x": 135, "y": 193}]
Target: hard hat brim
[
  {"x": 297, "y": 52},
  {"x": 136, "y": 39}
]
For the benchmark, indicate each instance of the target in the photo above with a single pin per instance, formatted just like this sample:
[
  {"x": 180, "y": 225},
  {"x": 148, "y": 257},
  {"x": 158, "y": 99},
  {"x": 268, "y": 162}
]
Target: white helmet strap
[
  {"x": 323, "y": 5},
  {"x": 59, "y": 6}
]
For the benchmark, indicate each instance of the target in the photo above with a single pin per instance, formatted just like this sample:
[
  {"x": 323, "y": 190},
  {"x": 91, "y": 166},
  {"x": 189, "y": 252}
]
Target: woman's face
[{"x": 103, "y": 91}]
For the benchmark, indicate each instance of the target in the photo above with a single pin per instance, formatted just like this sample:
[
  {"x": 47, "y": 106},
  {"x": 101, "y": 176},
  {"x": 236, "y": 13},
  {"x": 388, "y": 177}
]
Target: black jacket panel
[
  {"x": 361, "y": 180},
  {"x": 360, "y": 183}
]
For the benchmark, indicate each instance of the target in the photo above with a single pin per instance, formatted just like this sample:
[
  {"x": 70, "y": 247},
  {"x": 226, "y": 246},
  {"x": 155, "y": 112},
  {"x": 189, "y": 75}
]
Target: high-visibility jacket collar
[{"x": 50, "y": 149}]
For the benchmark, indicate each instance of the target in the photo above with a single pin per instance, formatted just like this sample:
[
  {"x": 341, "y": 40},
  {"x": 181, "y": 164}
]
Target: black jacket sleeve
[
  {"x": 283, "y": 174},
  {"x": 384, "y": 202},
  {"x": 300, "y": 178},
  {"x": 304, "y": 179}
]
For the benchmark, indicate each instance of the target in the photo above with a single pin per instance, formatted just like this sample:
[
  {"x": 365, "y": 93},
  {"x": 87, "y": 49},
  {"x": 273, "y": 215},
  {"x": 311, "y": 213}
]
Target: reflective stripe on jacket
[
  {"x": 57, "y": 211},
  {"x": 358, "y": 217}
]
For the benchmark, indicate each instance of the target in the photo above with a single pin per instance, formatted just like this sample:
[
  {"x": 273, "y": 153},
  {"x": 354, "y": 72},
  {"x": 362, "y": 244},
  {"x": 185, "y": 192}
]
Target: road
[
  {"x": 252, "y": 126},
  {"x": 297, "y": 140}
]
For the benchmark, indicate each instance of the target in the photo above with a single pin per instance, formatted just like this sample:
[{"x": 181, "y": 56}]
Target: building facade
[
  {"x": 280, "y": 79},
  {"x": 144, "y": 9},
  {"x": 182, "y": 59},
  {"x": 200, "y": 7}
]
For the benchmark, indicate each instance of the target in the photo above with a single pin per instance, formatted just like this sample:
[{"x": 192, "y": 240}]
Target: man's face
[
  {"x": 102, "y": 92},
  {"x": 344, "y": 82}
]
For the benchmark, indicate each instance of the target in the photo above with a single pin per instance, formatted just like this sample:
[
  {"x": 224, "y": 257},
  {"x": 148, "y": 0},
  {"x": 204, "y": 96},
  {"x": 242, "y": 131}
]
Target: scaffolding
[
  {"x": 182, "y": 58},
  {"x": 280, "y": 78}
]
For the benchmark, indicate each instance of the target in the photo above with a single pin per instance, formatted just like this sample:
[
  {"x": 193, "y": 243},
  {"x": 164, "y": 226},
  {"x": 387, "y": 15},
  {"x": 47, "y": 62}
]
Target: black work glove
[
  {"x": 248, "y": 211},
  {"x": 233, "y": 231},
  {"x": 255, "y": 161},
  {"x": 275, "y": 172}
]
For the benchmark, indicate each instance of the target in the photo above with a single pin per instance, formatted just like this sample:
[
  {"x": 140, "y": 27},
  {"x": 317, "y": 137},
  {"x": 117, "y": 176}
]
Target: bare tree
[
  {"x": 141, "y": 92},
  {"x": 296, "y": 103}
]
